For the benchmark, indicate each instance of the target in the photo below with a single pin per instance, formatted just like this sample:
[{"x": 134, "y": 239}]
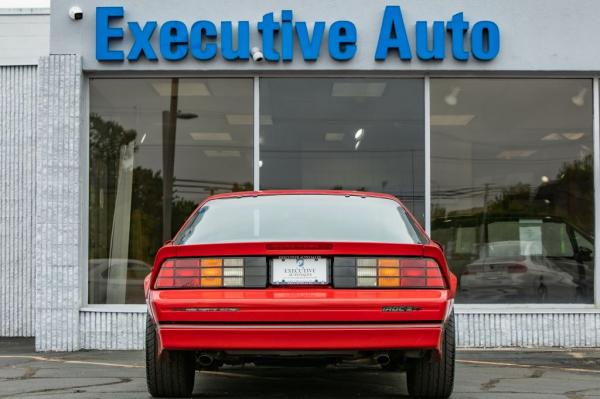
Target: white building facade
[{"x": 482, "y": 116}]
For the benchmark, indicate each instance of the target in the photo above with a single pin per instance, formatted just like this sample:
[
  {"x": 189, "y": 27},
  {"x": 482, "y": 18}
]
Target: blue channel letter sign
[{"x": 205, "y": 40}]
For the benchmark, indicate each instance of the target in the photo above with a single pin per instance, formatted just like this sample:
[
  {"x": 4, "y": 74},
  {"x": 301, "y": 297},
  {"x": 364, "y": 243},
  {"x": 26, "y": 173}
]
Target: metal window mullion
[
  {"x": 427, "y": 155},
  {"x": 596, "y": 168},
  {"x": 256, "y": 119}
]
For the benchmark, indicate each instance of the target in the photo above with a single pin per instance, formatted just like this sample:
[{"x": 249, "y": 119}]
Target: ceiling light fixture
[
  {"x": 143, "y": 138},
  {"x": 452, "y": 98},
  {"x": 358, "y": 89},
  {"x": 573, "y": 135},
  {"x": 356, "y": 145},
  {"x": 247, "y": 119},
  {"x": 334, "y": 136},
  {"x": 359, "y": 134},
  {"x": 221, "y": 153},
  {"x": 184, "y": 89},
  {"x": 210, "y": 136},
  {"x": 545, "y": 179},
  {"x": 579, "y": 98},
  {"x": 451, "y": 120},
  {"x": 511, "y": 154}
]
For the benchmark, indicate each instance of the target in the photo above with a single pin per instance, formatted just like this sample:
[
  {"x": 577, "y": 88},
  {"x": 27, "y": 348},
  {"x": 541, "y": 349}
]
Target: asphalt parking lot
[{"x": 480, "y": 374}]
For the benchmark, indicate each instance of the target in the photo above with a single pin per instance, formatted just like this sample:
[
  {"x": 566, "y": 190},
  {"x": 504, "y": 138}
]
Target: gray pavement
[{"x": 480, "y": 374}]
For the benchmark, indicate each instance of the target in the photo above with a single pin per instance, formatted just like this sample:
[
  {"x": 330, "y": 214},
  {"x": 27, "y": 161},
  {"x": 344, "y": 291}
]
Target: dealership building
[{"x": 118, "y": 117}]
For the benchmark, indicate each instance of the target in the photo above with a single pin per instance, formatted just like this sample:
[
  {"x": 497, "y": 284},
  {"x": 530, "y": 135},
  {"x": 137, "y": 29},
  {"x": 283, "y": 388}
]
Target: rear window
[{"x": 281, "y": 218}]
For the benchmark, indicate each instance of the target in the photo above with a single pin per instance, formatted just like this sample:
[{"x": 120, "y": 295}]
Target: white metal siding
[
  {"x": 18, "y": 86},
  {"x": 112, "y": 330},
  {"x": 125, "y": 330},
  {"x": 24, "y": 36}
]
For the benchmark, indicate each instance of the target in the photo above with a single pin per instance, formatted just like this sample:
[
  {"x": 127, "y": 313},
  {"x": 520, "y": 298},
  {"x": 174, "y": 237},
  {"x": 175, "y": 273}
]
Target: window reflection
[
  {"x": 352, "y": 134},
  {"x": 512, "y": 187},
  {"x": 157, "y": 148}
]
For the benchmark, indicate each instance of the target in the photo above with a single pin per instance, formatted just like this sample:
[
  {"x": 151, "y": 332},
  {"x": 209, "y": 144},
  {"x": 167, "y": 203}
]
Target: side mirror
[{"x": 584, "y": 254}]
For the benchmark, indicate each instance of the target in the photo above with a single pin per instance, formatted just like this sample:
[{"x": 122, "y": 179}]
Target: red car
[{"x": 299, "y": 277}]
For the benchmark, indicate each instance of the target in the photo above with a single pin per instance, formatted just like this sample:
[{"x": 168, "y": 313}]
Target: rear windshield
[{"x": 300, "y": 218}]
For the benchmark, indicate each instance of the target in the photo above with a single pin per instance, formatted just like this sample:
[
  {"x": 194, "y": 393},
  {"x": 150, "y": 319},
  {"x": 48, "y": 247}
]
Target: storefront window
[
  {"x": 512, "y": 187},
  {"x": 157, "y": 148},
  {"x": 351, "y": 134}
]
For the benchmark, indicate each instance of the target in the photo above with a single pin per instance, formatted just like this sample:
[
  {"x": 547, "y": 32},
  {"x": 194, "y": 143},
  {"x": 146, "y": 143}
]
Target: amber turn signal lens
[
  {"x": 211, "y": 282},
  {"x": 211, "y": 262},
  {"x": 388, "y": 262},
  {"x": 389, "y": 272},
  {"x": 389, "y": 282},
  {"x": 212, "y": 272}
]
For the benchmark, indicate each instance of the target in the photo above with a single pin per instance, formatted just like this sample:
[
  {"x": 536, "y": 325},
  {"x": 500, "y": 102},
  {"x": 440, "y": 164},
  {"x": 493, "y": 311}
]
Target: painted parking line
[
  {"x": 528, "y": 366},
  {"x": 58, "y": 360},
  {"x": 124, "y": 365}
]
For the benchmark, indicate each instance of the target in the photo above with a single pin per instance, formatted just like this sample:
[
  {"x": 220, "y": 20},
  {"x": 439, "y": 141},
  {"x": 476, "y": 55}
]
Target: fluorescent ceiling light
[
  {"x": 552, "y": 137},
  {"x": 573, "y": 135},
  {"x": 210, "y": 136},
  {"x": 567, "y": 135},
  {"x": 185, "y": 89},
  {"x": 334, "y": 136},
  {"x": 511, "y": 154},
  {"x": 222, "y": 153},
  {"x": 358, "y": 89},
  {"x": 451, "y": 120},
  {"x": 247, "y": 119}
]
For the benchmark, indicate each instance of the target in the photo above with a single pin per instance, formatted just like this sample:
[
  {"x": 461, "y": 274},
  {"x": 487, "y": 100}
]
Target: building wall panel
[
  {"x": 125, "y": 330},
  {"x": 18, "y": 99},
  {"x": 58, "y": 217}
]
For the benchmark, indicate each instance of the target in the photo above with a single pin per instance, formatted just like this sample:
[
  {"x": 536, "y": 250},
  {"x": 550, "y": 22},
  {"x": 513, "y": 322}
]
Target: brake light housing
[
  {"x": 181, "y": 273},
  {"x": 397, "y": 272}
]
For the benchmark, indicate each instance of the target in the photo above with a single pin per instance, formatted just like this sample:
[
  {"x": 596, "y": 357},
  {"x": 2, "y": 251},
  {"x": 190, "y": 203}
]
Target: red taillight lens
[
  {"x": 517, "y": 268},
  {"x": 200, "y": 273},
  {"x": 399, "y": 273}
]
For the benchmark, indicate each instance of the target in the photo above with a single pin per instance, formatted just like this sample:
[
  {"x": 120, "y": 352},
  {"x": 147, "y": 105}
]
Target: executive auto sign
[{"x": 204, "y": 39}]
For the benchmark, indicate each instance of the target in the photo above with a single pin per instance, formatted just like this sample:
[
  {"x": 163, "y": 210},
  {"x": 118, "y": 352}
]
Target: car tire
[
  {"x": 433, "y": 378},
  {"x": 172, "y": 373}
]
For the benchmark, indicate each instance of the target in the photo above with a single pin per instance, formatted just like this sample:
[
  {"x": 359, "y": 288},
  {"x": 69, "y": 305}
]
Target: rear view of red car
[{"x": 300, "y": 277}]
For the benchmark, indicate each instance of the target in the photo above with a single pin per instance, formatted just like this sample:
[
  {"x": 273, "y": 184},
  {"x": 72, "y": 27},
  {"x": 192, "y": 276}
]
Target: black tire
[
  {"x": 171, "y": 374},
  {"x": 433, "y": 378}
]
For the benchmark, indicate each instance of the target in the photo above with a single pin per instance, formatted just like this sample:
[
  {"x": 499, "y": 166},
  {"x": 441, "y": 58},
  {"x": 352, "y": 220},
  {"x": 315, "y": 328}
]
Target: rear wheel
[
  {"x": 432, "y": 378},
  {"x": 171, "y": 374}
]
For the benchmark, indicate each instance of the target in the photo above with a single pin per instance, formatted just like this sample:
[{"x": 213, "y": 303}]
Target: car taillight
[
  {"x": 398, "y": 273},
  {"x": 201, "y": 273},
  {"x": 517, "y": 268}
]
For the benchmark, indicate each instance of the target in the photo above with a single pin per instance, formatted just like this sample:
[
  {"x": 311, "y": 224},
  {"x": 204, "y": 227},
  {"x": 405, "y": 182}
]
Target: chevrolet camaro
[{"x": 300, "y": 277}]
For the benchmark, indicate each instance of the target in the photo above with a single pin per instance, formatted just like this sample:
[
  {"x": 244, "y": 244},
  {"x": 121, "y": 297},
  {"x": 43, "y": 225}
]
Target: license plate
[{"x": 299, "y": 271}]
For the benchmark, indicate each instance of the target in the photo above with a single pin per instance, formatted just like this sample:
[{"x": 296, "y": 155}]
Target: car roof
[{"x": 345, "y": 193}]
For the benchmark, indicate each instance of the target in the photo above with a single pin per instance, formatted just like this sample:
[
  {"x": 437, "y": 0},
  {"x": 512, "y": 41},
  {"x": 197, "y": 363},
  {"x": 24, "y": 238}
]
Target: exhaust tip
[
  {"x": 383, "y": 359},
  {"x": 205, "y": 360}
]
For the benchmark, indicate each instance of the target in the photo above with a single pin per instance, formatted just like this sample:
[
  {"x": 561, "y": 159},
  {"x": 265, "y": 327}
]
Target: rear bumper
[
  {"x": 299, "y": 319},
  {"x": 292, "y": 337}
]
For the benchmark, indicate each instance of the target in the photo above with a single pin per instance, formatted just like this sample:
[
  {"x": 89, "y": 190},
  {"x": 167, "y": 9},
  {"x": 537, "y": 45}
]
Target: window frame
[{"x": 256, "y": 76}]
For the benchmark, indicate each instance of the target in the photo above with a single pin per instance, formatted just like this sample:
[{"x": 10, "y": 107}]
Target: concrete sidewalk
[{"x": 480, "y": 374}]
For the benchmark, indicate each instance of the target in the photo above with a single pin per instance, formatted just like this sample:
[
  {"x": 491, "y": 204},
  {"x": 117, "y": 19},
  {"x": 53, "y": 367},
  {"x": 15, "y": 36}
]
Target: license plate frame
[{"x": 322, "y": 276}]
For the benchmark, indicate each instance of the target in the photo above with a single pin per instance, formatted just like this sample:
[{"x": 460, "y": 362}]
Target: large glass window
[
  {"x": 344, "y": 133},
  {"x": 157, "y": 148},
  {"x": 512, "y": 187}
]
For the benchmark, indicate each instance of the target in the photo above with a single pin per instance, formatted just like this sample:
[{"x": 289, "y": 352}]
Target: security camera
[
  {"x": 75, "y": 13},
  {"x": 257, "y": 55}
]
